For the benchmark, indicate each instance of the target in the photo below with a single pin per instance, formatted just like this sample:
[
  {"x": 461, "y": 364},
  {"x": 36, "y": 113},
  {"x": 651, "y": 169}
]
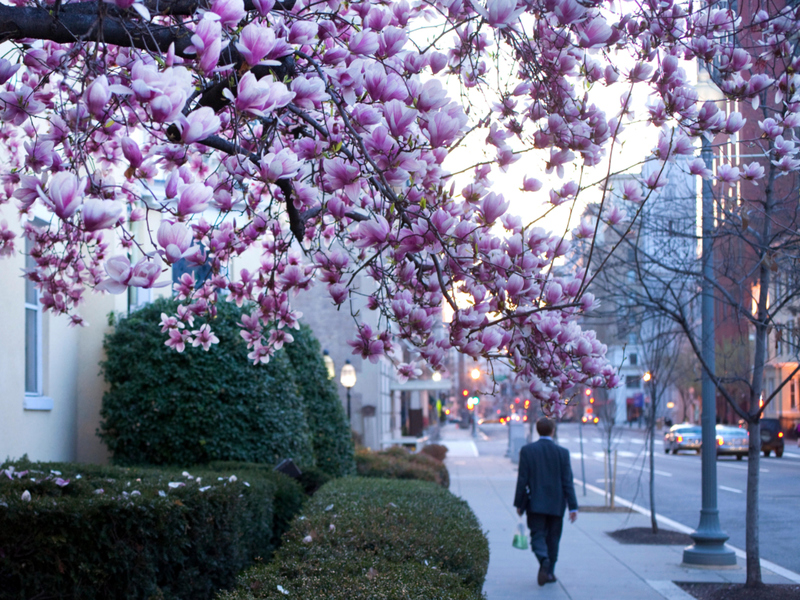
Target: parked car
[
  {"x": 683, "y": 437},
  {"x": 732, "y": 441},
  {"x": 771, "y": 437}
]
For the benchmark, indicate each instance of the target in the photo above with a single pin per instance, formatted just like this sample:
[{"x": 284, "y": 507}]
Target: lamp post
[
  {"x": 709, "y": 539},
  {"x": 329, "y": 366},
  {"x": 348, "y": 380}
]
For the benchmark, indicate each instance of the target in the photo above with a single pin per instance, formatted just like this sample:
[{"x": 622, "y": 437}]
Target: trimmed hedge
[
  {"x": 373, "y": 539},
  {"x": 330, "y": 431},
  {"x": 399, "y": 463},
  {"x": 113, "y": 532},
  {"x": 164, "y": 407}
]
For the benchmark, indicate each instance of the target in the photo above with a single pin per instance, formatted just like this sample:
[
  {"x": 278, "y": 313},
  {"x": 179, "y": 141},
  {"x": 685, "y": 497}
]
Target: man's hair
[{"x": 545, "y": 426}]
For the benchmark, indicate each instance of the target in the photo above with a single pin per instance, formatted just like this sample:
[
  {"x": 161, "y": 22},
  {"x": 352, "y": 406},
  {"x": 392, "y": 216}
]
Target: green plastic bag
[{"x": 520, "y": 539}]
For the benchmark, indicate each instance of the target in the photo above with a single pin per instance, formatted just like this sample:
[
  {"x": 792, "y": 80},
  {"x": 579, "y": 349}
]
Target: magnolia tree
[{"x": 316, "y": 134}]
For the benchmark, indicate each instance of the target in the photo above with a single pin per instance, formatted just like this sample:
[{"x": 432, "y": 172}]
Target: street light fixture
[
  {"x": 329, "y": 366},
  {"x": 348, "y": 380},
  {"x": 436, "y": 376},
  {"x": 475, "y": 373}
]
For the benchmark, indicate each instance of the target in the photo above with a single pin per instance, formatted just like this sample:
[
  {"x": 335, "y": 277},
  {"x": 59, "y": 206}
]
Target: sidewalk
[{"x": 591, "y": 565}]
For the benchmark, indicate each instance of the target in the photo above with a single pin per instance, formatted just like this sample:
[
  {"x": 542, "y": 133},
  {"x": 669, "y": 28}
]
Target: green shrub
[
  {"x": 165, "y": 407},
  {"x": 374, "y": 539},
  {"x": 330, "y": 431},
  {"x": 288, "y": 496},
  {"x": 437, "y": 451},
  {"x": 113, "y": 532},
  {"x": 399, "y": 463}
]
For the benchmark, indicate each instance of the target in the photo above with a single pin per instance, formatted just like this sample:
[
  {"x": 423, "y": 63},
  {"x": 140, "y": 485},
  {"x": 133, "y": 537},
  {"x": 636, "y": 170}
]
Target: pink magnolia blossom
[
  {"x": 230, "y": 12},
  {"x": 204, "y": 337},
  {"x": 101, "y": 214},
  {"x": 200, "y": 124},
  {"x": 499, "y": 13},
  {"x": 256, "y": 43},
  {"x": 194, "y": 198},
  {"x": 65, "y": 194},
  {"x": 175, "y": 239}
]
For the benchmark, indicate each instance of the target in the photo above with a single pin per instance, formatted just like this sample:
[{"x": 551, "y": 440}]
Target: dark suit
[{"x": 544, "y": 490}]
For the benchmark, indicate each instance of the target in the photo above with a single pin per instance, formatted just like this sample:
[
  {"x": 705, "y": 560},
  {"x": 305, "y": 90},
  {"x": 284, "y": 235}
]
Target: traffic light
[
  {"x": 475, "y": 398},
  {"x": 465, "y": 393}
]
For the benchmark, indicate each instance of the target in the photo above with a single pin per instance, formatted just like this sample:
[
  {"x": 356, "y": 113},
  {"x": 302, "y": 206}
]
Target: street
[{"x": 677, "y": 483}]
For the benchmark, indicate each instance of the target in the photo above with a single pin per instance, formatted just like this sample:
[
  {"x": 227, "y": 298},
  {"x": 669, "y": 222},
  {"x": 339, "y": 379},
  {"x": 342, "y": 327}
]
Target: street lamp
[
  {"x": 348, "y": 380},
  {"x": 475, "y": 373},
  {"x": 436, "y": 376},
  {"x": 329, "y": 367}
]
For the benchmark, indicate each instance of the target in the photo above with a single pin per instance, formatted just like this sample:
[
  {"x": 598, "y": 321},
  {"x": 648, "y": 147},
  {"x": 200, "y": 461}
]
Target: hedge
[
  {"x": 164, "y": 407},
  {"x": 95, "y": 532},
  {"x": 399, "y": 463},
  {"x": 327, "y": 421},
  {"x": 372, "y": 539}
]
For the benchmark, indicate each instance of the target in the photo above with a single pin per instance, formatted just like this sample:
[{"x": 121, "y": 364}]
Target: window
[
  {"x": 34, "y": 356},
  {"x": 633, "y": 359},
  {"x": 33, "y": 330},
  {"x": 792, "y": 394},
  {"x": 633, "y": 382}
]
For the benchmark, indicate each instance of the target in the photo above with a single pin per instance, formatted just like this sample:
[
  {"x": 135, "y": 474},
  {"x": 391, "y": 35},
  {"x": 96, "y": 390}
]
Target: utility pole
[{"x": 709, "y": 539}]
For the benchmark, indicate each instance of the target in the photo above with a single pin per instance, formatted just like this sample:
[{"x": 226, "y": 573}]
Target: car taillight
[
  {"x": 780, "y": 434},
  {"x": 720, "y": 441},
  {"x": 680, "y": 439}
]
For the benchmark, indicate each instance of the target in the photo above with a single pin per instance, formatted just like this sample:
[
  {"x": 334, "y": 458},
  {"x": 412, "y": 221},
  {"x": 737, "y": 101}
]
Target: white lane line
[
  {"x": 777, "y": 569},
  {"x": 738, "y": 467},
  {"x": 637, "y": 441},
  {"x": 730, "y": 489}
]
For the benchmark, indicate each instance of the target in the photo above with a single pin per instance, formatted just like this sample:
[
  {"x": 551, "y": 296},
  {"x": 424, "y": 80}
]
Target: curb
[{"x": 766, "y": 564}]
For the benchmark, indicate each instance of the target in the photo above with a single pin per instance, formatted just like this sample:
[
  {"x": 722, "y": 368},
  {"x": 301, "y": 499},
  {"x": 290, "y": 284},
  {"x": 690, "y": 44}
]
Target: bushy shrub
[
  {"x": 327, "y": 421},
  {"x": 437, "y": 451},
  {"x": 288, "y": 495},
  {"x": 371, "y": 539},
  {"x": 399, "y": 463},
  {"x": 165, "y": 407},
  {"x": 91, "y": 532}
]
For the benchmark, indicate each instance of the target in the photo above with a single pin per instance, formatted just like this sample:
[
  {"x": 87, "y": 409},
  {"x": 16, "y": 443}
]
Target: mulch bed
[
  {"x": 645, "y": 535},
  {"x": 733, "y": 591}
]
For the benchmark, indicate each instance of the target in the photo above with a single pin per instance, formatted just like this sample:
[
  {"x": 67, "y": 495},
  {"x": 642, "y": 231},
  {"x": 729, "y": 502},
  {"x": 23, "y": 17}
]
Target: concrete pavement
[{"x": 591, "y": 565}]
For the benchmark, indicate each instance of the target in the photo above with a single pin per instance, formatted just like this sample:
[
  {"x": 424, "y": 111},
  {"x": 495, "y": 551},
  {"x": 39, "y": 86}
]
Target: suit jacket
[{"x": 545, "y": 472}]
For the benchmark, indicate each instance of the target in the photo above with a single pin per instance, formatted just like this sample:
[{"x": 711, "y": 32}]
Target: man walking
[{"x": 544, "y": 490}]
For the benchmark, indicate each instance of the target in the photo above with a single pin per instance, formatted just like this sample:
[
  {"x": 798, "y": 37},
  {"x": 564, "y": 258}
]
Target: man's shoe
[
  {"x": 551, "y": 578},
  {"x": 544, "y": 571}
]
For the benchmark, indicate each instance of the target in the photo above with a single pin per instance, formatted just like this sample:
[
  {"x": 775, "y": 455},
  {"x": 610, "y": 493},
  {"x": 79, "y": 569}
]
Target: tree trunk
[
  {"x": 756, "y": 389},
  {"x": 653, "y": 522},
  {"x": 751, "y": 518}
]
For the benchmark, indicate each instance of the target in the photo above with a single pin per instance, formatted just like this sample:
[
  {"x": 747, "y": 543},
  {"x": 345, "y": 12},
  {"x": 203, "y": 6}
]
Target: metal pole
[
  {"x": 348, "y": 406},
  {"x": 709, "y": 539},
  {"x": 580, "y": 435}
]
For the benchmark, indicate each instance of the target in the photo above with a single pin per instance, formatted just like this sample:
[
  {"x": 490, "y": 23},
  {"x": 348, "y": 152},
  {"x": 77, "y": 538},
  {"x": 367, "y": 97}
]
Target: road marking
[
  {"x": 777, "y": 569},
  {"x": 739, "y": 467},
  {"x": 668, "y": 589},
  {"x": 637, "y": 441},
  {"x": 729, "y": 489}
]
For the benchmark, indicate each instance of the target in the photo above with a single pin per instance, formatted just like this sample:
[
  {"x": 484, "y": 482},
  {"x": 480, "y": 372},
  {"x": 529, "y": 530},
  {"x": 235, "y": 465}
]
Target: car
[
  {"x": 771, "y": 437},
  {"x": 671, "y": 437},
  {"x": 732, "y": 441},
  {"x": 683, "y": 437}
]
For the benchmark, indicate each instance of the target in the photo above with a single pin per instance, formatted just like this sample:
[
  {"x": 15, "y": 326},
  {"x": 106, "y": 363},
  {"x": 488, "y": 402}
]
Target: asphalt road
[{"x": 677, "y": 484}]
